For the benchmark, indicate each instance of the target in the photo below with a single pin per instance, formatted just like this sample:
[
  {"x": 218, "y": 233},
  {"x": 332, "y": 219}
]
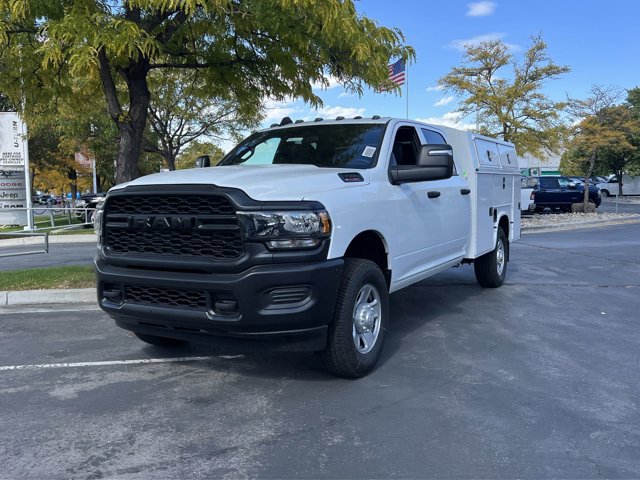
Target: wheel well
[
  {"x": 370, "y": 246},
  {"x": 504, "y": 225}
]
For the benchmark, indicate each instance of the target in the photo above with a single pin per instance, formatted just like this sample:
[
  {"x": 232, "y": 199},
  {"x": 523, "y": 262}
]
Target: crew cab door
[
  {"x": 549, "y": 192},
  {"x": 570, "y": 195},
  {"x": 432, "y": 216}
]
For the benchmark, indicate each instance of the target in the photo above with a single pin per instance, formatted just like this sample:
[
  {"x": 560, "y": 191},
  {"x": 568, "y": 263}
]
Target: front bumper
[{"x": 278, "y": 307}]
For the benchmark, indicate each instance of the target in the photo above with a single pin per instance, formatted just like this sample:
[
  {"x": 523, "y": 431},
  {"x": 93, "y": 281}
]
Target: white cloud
[
  {"x": 444, "y": 101},
  {"x": 337, "y": 111},
  {"x": 332, "y": 82},
  {"x": 481, "y": 9},
  {"x": 461, "y": 44},
  {"x": 436, "y": 88},
  {"x": 275, "y": 110},
  {"x": 450, "y": 119},
  {"x": 346, "y": 95}
]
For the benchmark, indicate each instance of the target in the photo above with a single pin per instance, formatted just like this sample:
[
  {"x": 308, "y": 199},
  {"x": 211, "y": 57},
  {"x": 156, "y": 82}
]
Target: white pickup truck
[
  {"x": 611, "y": 188},
  {"x": 297, "y": 237}
]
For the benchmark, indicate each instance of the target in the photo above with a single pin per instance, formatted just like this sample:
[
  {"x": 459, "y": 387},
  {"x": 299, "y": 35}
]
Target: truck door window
[
  {"x": 549, "y": 182},
  {"x": 564, "y": 182},
  {"x": 405, "y": 147},
  {"x": 433, "y": 137}
]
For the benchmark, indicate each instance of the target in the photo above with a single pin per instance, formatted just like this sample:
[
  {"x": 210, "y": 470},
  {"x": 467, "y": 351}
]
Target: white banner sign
[{"x": 13, "y": 158}]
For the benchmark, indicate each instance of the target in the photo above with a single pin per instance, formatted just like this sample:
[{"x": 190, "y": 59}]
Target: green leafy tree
[
  {"x": 181, "y": 111},
  {"x": 246, "y": 50},
  {"x": 606, "y": 137},
  {"x": 195, "y": 149},
  {"x": 6, "y": 105},
  {"x": 506, "y": 95}
]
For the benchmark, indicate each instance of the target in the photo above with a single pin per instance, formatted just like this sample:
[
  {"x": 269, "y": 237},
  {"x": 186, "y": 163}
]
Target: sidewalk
[
  {"x": 631, "y": 199},
  {"x": 45, "y": 297},
  {"x": 558, "y": 222},
  {"x": 19, "y": 242}
]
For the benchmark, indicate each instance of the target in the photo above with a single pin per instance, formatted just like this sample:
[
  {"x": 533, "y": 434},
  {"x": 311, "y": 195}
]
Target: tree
[
  {"x": 180, "y": 112},
  {"x": 506, "y": 94},
  {"x": 606, "y": 136},
  {"x": 6, "y": 105},
  {"x": 195, "y": 149},
  {"x": 247, "y": 50}
]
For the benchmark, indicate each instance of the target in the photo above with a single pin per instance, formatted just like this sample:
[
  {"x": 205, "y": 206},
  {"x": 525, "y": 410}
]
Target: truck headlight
[
  {"x": 98, "y": 219},
  {"x": 286, "y": 230}
]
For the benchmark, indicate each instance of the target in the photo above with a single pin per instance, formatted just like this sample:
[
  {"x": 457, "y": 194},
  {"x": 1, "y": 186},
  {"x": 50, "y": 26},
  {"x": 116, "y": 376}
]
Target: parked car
[
  {"x": 88, "y": 203},
  {"x": 559, "y": 193},
  {"x": 527, "y": 198}
]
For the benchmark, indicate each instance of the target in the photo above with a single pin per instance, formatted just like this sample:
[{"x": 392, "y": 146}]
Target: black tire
[
  {"x": 604, "y": 193},
  {"x": 486, "y": 267},
  {"x": 159, "y": 341},
  {"x": 341, "y": 356}
]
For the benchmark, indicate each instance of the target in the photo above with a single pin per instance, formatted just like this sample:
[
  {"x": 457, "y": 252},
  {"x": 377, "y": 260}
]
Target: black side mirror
[
  {"x": 435, "y": 162},
  {"x": 203, "y": 161}
]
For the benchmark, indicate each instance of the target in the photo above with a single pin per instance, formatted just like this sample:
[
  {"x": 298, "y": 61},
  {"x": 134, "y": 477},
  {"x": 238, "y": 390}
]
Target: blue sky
[{"x": 599, "y": 40}]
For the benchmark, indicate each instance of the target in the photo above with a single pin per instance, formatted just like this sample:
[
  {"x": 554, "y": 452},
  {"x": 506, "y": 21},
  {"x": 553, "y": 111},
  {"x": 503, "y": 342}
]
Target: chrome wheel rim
[
  {"x": 500, "y": 257},
  {"x": 367, "y": 318}
]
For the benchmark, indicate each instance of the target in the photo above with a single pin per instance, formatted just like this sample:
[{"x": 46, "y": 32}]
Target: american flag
[{"x": 396, "y": 72}]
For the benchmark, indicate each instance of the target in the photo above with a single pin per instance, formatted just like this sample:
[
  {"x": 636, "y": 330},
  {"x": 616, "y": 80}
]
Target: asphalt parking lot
[{"x": 537, "y": 379}]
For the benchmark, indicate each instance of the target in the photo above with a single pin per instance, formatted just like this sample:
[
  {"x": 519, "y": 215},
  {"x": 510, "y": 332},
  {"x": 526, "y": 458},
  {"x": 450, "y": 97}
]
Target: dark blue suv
[{"x": 558, "y": 193}]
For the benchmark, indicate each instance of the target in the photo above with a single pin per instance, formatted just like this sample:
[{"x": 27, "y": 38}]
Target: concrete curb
[
  {"x": 578, "y": 225},
  {"x": 19, "y": 242},
  {"x": 40, "y": 297}
]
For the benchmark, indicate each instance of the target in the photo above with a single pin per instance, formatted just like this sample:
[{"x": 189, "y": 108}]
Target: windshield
[{"x": 330, "y": 146}]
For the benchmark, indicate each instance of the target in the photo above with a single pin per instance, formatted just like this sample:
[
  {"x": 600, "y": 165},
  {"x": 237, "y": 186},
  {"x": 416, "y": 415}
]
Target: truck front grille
[
  {"x": 175, "y": 226},
  {"x": 165, "y": 297}
]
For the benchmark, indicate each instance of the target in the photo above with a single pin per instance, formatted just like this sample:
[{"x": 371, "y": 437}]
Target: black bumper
[{"x": 277, "y": 307}]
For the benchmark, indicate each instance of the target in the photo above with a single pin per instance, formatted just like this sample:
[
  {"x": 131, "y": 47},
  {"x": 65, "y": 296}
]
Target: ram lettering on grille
[{"x": 189, "y": 225}]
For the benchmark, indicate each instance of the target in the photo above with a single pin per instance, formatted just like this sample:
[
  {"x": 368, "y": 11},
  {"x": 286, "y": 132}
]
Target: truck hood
[{"x": 260, "y": 182}]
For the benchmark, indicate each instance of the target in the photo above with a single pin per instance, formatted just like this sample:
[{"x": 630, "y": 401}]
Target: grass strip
[{"x": 74, "y": 276}]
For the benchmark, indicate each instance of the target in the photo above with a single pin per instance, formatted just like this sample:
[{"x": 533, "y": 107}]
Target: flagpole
[{"x": 407, "y": 88}]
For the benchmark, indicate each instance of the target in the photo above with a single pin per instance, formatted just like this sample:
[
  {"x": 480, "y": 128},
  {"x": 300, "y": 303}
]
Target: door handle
[
  {"x": 465, "y": 191},
  {"x": 433, "y": 194}
]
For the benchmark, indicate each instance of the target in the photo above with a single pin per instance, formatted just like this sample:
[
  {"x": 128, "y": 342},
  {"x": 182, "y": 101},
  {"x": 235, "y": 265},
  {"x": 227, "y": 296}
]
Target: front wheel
[
  {"x": 357, "y": 333},
  {"x": 604, "y": 194},
  {"x": 491, "y": 268}
]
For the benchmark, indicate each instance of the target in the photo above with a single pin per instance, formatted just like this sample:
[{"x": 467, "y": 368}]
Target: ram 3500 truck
[{"x": 298, "y": 235}]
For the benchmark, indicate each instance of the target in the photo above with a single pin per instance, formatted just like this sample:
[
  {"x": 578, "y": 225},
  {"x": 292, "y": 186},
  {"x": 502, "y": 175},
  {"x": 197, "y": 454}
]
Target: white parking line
[{"x": 112, "y": 362}]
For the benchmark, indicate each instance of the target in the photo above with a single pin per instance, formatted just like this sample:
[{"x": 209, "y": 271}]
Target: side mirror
[
  {"x": 572, "y": 186},
  {"x": 435, "y": 162},
  {"x": 203, "y": 161}
]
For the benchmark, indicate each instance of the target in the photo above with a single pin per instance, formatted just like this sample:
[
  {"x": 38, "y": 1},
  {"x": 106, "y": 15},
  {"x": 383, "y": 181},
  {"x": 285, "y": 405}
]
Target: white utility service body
[{"x": 423, "y": 227}]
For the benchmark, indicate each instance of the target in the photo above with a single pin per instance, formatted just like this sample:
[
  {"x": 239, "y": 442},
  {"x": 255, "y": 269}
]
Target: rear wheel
[
  {"x": 159, "y": 341},
  {"x": 604, "y": 193},
  {"x": 491, "y": 268},
  {"x": 357, "y": 333}
]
